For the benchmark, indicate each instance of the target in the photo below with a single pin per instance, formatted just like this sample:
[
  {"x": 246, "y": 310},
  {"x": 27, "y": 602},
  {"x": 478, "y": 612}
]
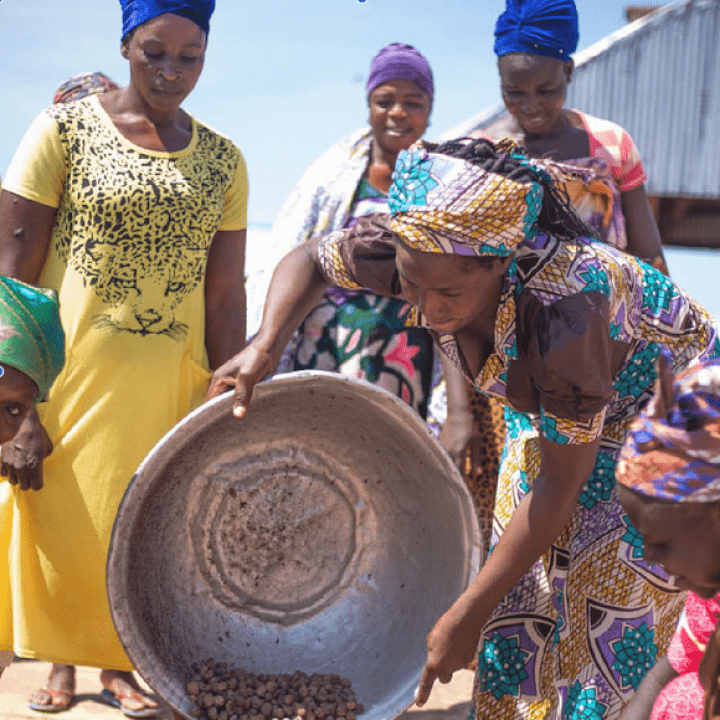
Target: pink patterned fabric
[
  {"x": 683, "y": 698},
  {"x": 611, "y": 143}
]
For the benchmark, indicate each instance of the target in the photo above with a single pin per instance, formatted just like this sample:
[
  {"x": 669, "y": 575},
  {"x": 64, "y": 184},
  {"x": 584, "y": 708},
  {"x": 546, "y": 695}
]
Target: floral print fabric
[{"x": 363, "y": 335}]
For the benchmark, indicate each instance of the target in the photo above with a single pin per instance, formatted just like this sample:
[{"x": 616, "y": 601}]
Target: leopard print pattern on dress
[
  {"x": 137, "y": 225},
  {"x": 483, "y": 459}
]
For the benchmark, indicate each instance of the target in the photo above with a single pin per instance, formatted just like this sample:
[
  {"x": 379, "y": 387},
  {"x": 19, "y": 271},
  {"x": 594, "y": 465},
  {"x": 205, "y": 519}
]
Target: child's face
[
  {"x": 17, "y": 397},
  {"x": 682, "y": 537}
]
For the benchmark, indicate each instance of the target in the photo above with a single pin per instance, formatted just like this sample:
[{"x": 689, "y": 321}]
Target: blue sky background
[{"x": 285, "y": 78}]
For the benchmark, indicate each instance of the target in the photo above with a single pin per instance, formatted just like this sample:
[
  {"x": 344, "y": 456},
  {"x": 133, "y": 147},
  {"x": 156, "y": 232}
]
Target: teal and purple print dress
[{"x": 577, "y": 334}]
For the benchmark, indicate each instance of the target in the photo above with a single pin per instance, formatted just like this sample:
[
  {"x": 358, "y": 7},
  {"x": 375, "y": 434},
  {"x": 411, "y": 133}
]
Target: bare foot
[
  {"x": 127, "y": 692},
  {"x": 59, "y": 692}
]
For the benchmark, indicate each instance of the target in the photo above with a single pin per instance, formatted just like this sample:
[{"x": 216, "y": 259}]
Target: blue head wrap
[
  {"x": 136, "y": 12},
  {"x": 538, "y": 27}
]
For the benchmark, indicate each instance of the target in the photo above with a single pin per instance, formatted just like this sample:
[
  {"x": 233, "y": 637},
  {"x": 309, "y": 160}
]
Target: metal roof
[{"x": 659, "y": 78}]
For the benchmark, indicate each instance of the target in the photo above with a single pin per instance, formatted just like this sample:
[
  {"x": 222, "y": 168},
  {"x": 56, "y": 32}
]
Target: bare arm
[
  {"x": 642, "y": 231},
  {"x": 641, "y": 704},
  {"x": 225, "y": 301},
  {"x": 456, "y": 433},
  {"x": 537, "y": 522},
  {"x": 25, "y": 230},
  {"x": 295, "y": 288}
]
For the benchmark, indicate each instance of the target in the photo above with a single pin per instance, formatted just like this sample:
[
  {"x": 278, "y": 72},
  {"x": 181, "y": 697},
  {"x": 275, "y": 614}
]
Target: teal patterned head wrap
[
  {"x": 444, "y": 204},
  {"x": 31, "y": 336}
]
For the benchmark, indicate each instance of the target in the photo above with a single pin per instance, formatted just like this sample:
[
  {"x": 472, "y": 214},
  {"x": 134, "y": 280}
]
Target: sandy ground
[{"x": 448, "y": 702}]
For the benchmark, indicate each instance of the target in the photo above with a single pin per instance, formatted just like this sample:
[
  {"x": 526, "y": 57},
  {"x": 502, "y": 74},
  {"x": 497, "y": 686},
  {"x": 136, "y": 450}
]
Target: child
[
  {"x": 32, "y": 352},
  {"x": 669, "y": 484}
]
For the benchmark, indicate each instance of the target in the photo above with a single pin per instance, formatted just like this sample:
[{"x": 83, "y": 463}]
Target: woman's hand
[
  {"x": 242, "y": 372},
  {"x": 22, "y": 457},
  {"x": 295, "y": 288},
  {"x": 536, "y": 523},
  {"x": 451, "y": 646}
]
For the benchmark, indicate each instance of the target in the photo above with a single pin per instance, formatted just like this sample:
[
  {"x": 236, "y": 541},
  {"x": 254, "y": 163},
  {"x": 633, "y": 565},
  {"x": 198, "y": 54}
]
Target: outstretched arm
[
  {"x": 295, "y": 288},
  {"x": 538, "y": 521}
]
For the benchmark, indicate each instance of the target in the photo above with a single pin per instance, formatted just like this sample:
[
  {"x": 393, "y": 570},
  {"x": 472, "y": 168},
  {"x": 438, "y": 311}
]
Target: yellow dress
[{"x": 127, "y": 256}]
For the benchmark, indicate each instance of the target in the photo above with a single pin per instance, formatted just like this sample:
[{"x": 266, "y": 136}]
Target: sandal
[
  {"x": 115, "y": 699},
  {"x": 51, "y": 694}
]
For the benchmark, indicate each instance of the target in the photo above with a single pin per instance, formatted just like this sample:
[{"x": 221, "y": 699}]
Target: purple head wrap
[
  {"x": 136, "y": 12},
  {"x": 672, "y": 451},
  {"x": 398, "y": 61}
]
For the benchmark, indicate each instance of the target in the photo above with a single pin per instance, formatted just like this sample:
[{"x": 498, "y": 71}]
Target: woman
[
  {"x": 135, "y": 213},
  {"x": 565, "y": 332},
  {"x": 534, "y": 40},
  {"x": 669, "y": 485},
  {"x": 601, "y": 172},
  {"x": 355, "y": 332}
]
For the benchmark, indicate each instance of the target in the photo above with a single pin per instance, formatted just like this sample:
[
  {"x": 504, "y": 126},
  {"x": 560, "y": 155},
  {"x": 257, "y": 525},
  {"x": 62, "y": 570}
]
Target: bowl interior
[{"x": 325, "y": 532}]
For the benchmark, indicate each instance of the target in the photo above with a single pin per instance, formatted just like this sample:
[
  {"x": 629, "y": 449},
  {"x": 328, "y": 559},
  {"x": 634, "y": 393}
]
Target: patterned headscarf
[
  {"x": 82, "y": 85},
  {"x": 672, "y": 451},
  {"x": 31, "y": 336},
  {"x": 443, "y": 204},
  {"x": 136, "y": 12},
  {"x": 398, "y": 61},
  {"x": 538, "y": 27}
]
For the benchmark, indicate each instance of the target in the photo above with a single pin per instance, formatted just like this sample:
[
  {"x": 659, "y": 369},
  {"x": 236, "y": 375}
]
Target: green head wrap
[{"x": 31, "y": 336}]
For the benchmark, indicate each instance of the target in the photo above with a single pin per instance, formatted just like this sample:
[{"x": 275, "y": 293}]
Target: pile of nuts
[{"x": 219, "y": 692}]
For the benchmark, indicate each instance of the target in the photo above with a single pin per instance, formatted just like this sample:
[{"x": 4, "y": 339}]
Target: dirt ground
[{"x": 447, "y": 702}]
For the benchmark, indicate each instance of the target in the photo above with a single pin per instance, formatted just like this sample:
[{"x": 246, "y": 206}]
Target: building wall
[{"x": 660, "y": 79}]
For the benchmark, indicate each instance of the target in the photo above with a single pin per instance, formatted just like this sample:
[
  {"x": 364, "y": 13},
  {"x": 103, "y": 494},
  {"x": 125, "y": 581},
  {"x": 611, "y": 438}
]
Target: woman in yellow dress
[{"x": 135, "y": 213}]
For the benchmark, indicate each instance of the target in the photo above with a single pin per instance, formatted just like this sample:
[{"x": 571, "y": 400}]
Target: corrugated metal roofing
[{"x": 659, "y": 78}]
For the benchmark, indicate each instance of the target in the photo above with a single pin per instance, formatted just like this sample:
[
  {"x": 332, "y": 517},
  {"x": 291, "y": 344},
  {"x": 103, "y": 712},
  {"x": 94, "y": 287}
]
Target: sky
[{"x": 285, "y": 79}]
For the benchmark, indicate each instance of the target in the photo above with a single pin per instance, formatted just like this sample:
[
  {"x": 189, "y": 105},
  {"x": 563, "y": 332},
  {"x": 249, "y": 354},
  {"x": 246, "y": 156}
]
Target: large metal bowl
[{"x": 325, "y": 532}]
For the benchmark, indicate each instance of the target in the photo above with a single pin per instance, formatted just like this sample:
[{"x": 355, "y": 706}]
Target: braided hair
[{"x": 557, "y": 216}]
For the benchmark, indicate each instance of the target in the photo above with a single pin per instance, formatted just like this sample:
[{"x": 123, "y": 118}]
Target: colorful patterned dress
[
  {"x": 356, "y": 333},
  {"x": 127, "y": 257},
  {"x": 577, "y": 334},
  {"x": 593, "y": 185}
]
